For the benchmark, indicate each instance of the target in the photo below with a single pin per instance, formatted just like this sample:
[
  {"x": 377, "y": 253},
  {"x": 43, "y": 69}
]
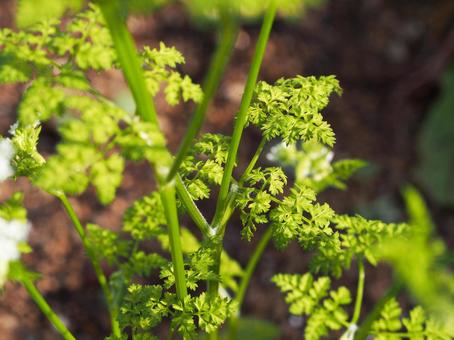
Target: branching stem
[
  {"x": 132, "y": 71},
  {"x": 245, "y": 102}
]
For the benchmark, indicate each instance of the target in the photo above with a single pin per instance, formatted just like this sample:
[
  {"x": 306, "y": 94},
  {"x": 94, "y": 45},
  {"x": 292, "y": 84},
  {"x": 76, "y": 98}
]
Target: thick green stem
[
  {"x": 170, "y": 208},
  {"x": 47, "y": 310},
  {"x": 94, "y": 261},
  {"x": 132, "y": 71},
  {"x": 359, "y": 292},
  {"x": 364, "y": 330},
  {"x": 245, "y": 280},
  {"x": 211, "y": 83},
  {"x": 128, "y": 59},
  {"x": 191, "y": 207},
  {"x": 242, "y": 114}
]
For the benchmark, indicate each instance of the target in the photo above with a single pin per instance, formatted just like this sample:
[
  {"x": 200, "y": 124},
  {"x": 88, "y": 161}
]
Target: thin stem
[
  {"x": 191, "y": 207},
  {"x": 245, "y": 102},
  {"x": 211, "y": 83},
  {"x": 94, "y": 261},
  {"x": 253, "y": 161},
  {"x": 132, "y": 71},
  {"x": 245, "y": 280},
  {"x": 170, "y": 208},
  {"x": 47, "y": 310},
  {"x": 359, "y": 292},
  {"x": 364, "y": 330}
]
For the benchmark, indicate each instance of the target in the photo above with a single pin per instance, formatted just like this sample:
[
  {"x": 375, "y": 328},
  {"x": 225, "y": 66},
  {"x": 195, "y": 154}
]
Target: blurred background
[{"x": 394, "y": 60}]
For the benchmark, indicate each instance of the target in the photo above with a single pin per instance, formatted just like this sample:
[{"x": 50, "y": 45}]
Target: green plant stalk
[
  {"x": 128, "y": 59},
  {"x": 242, "y": 114},
  {"x": 226, "y": 196},
  {"x": 364, "y": 330},
  {"x": 132, "y": 71},
  {"x": 47, "y": 310},
  {"x": 245, "y": 280},
  {"x": 359, "y": 292},
  {"x": 191, "y": 207},
  {"x": 95, "y": 263},
  {"x": 211, "y": 83},
  {"x": 170, "y": 209},
  {"x": 253, "y": 161}
]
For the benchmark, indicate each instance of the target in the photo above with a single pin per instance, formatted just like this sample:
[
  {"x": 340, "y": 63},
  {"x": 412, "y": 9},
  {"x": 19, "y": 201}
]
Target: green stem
[
  {"x": 211, "y": 83},
  {"x": 245, "y": 280},
  {"x": 132, "y": 71},
  {"x": 95, "y": 263},
  {"x": 128, "y": 59},
  {"x": 253, "y": 161},
  {"x": 364, "y": 330},
  {"x": 191, "y": 207},
  {"x": 47, "y": 310},
  {"x": 170, "y": 208},
  {"x": 359, "y": 292},
  {"x": 245, "y": 102}
]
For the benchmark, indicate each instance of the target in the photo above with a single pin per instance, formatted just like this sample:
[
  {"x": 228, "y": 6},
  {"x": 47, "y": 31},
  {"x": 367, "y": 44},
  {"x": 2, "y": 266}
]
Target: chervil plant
[{"x": 200, "y": 287}]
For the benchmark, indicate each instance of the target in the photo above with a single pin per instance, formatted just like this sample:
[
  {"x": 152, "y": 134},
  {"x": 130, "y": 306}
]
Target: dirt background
[{"x": 388, "y": 56}]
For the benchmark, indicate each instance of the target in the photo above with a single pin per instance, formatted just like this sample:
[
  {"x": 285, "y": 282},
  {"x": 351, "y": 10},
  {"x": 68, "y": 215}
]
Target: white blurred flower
[
  {"x": 350, "y": 332},
  {"x": 13, "y": 128},
  {"x": 12, "y": 233},
  {"x": 6, "y": 154}
]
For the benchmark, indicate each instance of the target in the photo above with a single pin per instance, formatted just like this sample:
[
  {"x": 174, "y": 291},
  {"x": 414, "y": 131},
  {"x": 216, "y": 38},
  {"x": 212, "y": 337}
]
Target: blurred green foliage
[
  {"x": 417, "y": 262},
  {"x": 436, "y": 145}
]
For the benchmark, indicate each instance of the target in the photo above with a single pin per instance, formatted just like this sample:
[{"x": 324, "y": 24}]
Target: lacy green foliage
[
  {"x": 354, "y": 237},
  {"x": 290, "y": 109},
  {"x": 106, "y": 244},
  {"x": 298, "y": 217},
  {"x": 313, "y": 166},
  {"x": 97, "y": 136},
  {"x": 13, "y": 208},
  {"x": 418, "y": 261},
  {"x": 247, "y": 9},
  {"x": 145, "y": 219},
  {"x": 160, "y": 65},
  {"x": 27, "y": 159},
  {"x": 145, "y": 307},
  {"x": 324, "y": 308},
  {"x": 198, "y": 267},
  {"x": 418, "y": 325},
  {"x": 255, "y": 196},
  {"x": 204, "y": 165}
]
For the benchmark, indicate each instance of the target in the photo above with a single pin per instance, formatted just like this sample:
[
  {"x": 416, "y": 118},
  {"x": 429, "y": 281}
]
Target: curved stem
[
  {"x": 47, "y": 310},
  {"x": 211, "y": 83},
  {"x": 245, "y": 280},
  {"x": 245, "y": 102},
  {"x": 359, "y": 292},
  {"x": 95, "y": 263}
]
